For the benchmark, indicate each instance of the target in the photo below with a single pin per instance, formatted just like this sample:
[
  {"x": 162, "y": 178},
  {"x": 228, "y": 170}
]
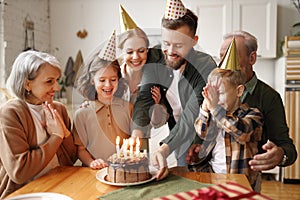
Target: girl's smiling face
[{"x": 106, "y": 83}]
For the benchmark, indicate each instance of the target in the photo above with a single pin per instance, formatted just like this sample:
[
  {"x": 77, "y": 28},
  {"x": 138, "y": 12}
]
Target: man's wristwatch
[{"x": 284, "y": 160}]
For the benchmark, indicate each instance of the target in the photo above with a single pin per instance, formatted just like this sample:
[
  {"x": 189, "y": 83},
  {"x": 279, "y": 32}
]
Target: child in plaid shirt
[{"x": 230, "y": 130}]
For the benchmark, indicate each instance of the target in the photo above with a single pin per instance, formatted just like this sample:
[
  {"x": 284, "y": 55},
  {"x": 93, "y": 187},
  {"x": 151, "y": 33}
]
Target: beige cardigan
[{"x": 21, "y": 158}]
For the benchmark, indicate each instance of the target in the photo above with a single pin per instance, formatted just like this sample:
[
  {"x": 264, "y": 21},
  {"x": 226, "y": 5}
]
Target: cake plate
[
  {"x": 41, "y": 196},
  {"x": 102, "y": 173}
]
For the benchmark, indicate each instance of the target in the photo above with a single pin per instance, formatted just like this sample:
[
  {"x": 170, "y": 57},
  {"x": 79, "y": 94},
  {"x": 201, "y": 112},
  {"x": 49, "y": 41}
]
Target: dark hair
[
  {"x": 84, "y": 83},
  {"x": 189, "y": 19}
]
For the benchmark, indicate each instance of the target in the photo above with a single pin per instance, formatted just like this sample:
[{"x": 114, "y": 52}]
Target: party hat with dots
[
  {"x": 174, "y": 9},
  {"x": 126, "y": 21},
  {"x": 108, "y": 52},
  {"x": 230, "y": 60}
]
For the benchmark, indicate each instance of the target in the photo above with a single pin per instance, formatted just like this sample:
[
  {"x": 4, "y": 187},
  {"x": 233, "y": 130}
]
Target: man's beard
[{"x": 174, "y": 64}]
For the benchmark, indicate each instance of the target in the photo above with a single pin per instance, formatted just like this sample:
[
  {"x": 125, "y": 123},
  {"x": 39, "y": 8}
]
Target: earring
[{"x": 28, "y": 92}]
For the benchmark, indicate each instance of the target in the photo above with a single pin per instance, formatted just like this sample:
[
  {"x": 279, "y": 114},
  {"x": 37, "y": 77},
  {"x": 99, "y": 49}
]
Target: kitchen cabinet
[{"x": 218, "y": 17}]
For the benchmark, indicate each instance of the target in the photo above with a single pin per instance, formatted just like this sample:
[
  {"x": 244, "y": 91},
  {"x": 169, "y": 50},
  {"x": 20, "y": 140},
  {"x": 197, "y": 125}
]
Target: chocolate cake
[{"x": 128, "y": 169}]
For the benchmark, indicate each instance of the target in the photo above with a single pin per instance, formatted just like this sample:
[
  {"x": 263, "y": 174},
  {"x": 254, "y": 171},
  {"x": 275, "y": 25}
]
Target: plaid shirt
[{"x": 242, "y": 130}]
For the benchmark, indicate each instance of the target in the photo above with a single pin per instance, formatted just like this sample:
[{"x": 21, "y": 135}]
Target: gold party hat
[
  {"x": 230, "y": 60},
  {"x": 108, "y": 52},
  {"x": 174, "y": 9},
  {"x": 126, "y": 21}
]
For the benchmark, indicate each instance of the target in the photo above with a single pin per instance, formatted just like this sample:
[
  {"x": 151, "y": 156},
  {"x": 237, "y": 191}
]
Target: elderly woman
[{"x": 34, "y": 129}]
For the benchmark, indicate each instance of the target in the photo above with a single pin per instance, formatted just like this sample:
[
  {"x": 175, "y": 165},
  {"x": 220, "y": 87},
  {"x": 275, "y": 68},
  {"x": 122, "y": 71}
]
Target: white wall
[
  {"x": 264, "y": 69},
  {"x": 287, "y": 15},
  {"x": 99, "y": 18}
]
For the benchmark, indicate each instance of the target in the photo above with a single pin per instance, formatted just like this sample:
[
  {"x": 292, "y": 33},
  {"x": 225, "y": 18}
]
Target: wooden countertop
[{"x": 81, "y": 183}]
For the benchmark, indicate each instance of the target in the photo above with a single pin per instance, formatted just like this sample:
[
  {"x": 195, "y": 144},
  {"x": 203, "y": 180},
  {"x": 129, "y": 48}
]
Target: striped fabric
[{"x": 224, "y": 191}]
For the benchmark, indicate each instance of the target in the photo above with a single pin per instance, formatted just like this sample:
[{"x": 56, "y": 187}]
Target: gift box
[{"x": 225, "y": 191}]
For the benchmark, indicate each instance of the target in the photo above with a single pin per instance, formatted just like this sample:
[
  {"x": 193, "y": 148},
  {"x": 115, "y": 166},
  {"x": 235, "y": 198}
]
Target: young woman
[{"x": 134, "y": 44}]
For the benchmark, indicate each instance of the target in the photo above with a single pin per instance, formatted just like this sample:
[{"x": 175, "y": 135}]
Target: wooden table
[{"x": 81, "y": 183}]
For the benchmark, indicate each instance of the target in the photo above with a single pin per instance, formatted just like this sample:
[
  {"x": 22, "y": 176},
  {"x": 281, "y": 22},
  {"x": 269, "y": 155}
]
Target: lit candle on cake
[
  {"x": 137, "y": 147},
  {"x": 118, "y": 146},
  {"x": 131, "y": 142},
  {"x": 145, "y": 153},
  {"x": 124, "y": 148},
  {"x": 123, "y": 145}
]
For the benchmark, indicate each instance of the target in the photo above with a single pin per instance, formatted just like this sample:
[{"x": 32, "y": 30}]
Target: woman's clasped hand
[{"x": 53, "y": 122}]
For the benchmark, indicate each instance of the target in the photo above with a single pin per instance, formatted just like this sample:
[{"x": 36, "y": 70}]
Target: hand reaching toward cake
[
  {"x": 98, "y": 164},
  {"x": 160, "y": 161}
]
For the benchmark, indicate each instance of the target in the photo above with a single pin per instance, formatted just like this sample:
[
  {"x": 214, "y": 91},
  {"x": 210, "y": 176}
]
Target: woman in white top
[{"x": 134, "y": 44}]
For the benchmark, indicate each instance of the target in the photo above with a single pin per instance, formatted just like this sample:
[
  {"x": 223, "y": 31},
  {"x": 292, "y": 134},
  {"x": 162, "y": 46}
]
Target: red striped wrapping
[{"x": 224, "y": 191}]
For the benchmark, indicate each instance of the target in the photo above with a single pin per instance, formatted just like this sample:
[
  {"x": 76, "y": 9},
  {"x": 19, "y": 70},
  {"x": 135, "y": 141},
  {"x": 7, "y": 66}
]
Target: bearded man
[{"x": 181, "y": 73}]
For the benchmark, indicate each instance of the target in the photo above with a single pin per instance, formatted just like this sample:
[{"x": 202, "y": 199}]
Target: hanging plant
[
  {"x": 82, "y": 33},
  {"x": 296, "y": 3},
  {"x": 296, "y": 26}
]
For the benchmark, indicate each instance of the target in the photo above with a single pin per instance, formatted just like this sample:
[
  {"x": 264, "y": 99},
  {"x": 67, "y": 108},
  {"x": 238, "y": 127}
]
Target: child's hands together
[{"x": 211, "y": 95}]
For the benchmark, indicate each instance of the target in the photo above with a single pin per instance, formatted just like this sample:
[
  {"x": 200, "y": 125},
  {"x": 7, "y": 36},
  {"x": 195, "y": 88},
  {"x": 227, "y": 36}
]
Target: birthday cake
[{"x": 129, "y": 168}]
